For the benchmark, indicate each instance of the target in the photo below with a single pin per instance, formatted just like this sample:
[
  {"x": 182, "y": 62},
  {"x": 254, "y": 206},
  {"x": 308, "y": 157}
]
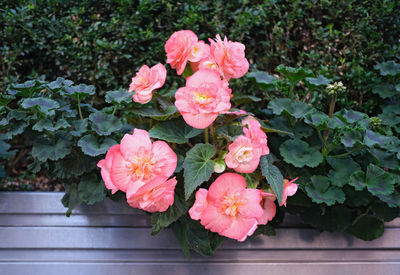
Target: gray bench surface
[{"x": 112, "y": 238}]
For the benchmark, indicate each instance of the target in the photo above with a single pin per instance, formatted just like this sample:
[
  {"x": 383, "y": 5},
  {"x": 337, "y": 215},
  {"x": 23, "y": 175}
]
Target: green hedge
[{"x": 105, "y": 42}]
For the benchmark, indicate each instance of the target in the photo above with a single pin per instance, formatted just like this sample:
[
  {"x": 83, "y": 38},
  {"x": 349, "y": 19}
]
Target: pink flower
[
  {"x": 289, "y": 189},
  {"x": 136, "y": 162},
  {"x": 269, "y": 208},
  {"x": 155, "y": 196},
  {"x": 243, "y": 156},
  {"x": 228, "y": 207},
  {"x": 204, "y": 97},
  {"x": 230, "y": 57},
  {"x": 146, "y": 80},
  {"x": 105, "y": 165},
  {"x": 255, "y": 133},
  {"x": 182, "y": 47}
]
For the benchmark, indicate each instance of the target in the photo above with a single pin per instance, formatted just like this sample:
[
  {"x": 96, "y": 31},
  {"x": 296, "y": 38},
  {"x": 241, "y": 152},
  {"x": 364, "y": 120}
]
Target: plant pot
[{"x": 112, "y": 238}]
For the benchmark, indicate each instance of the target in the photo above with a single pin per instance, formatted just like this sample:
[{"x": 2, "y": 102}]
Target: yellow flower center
[
  {"x": 230, "y": 204},
  {"x": 142, "y": 167},
  {"x": 201, "y": 98}
]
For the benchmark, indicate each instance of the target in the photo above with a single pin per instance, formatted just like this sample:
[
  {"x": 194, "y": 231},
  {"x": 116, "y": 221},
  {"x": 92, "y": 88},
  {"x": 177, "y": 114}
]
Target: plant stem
[
  {"x": 331, "y": 109},
  {"x": 115, "y": 109},
  {"x": 206, "y": 135},
  {"x": 291, "y": 89},
  {"x": 79, "y": 107}
]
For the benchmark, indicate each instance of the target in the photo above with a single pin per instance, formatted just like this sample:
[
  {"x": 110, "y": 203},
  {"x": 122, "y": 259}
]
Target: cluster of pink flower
[{"x": 142, "y": 168}]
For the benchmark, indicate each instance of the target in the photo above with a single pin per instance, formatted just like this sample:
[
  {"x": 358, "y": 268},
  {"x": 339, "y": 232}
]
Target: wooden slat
[
  {"x": 140, "y": 238},
  {"x": 356, "y": 268}
]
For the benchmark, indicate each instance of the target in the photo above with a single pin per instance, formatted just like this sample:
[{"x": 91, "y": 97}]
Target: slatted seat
[{"x": 112, "y": 238}]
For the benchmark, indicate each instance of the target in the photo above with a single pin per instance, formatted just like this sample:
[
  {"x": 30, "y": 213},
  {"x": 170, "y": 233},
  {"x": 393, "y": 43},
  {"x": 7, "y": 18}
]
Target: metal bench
[{"x": 112, "y": 238}]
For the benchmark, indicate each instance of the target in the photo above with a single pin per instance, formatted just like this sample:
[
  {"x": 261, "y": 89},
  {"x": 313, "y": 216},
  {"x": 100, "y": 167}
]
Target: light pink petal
[
  {"x": 199, "y": 121},
  {"x": 240, "y": 228},
  {"x": 269, "y": 211},
  {"x": 248, "y": 167},
  {"x": 225, "y": 184},
  {"x": 165, "y": 157},
  {"x": 160, "y": 74},
  {"x": 106, "y": 164},
  {"x": 203, "y": 76},
  {"x": 131, "y": 144},
  {"x": 250, "y": 206},
  {"x": 120, "y": 174},
  {"x": 213, "y": 220},
  {"x": 199, "y": 205}
]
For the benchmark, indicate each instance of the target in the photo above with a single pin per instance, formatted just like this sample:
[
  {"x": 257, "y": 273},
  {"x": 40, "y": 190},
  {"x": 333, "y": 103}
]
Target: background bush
[{"x": 103, "y": 43}]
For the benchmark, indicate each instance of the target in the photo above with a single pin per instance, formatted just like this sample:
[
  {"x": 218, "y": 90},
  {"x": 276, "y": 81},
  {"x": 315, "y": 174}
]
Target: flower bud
[
  {"x": 375, "y": 121},
  {"x": 335, "y": 88},
  {"x": 219, "y": 166}
]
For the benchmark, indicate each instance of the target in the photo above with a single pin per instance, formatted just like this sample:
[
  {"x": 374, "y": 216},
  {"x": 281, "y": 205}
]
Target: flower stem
[
  {"x": 331, "y": 109},
  {"x": 79, "y": 107},
  {"x": 115, "y": 109},
  {"x": 206, "y": 135}
]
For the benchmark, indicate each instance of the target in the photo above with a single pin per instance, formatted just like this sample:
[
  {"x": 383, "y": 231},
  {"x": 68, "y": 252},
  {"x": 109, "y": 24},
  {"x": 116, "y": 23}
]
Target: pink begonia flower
[
  {"x": 105, "y": 165},
  {"x": 203, "y": 98},
  {"x": 230, "y": 57},
  {"x": 155, "y": 196},
  {"x": 269, "y": 208},
  {"x": 137, "y": 161},
  {"x": 243, "y": 156},
  {"x": 146, "y": 80},
  {"x": 228, "y": 207},
  {"x": 183, "y": 46},
  {"x": 255, "y": 133},
  {"x": 289, "y": 189}
]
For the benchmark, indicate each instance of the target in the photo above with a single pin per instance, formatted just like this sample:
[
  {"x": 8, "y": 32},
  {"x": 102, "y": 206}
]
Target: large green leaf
[
  {"x": 92, "y": 147},
  {"x": 295, "y": 108},
  {"x": 59, "y": 83},
  {"x": 318, "y": 81},
  {"x": 27, "y": 89},
  {"x": 71, "y": 198},
  {"x": 5, "y": 99},
  {"x": 46, "y": 124},
  {"x": 179, "y": 230},
  {"x": 241, "y": 99},
  {"x": 198, "y": 238},
  {"x": 91, "y": 190},
  {"x": 176, "y": 131},
  {"x": 384, "y": 212},
  {"x": 351, "y": 137},
  {"x": 118, "y": 96},
  {"x": 273, "y": 176},
  {"x": 392, "y": 200},
  {"x": 172, "y": 214},
  {"x": 372, "y": 138},
  {"x": 262, "y": 79},
  {"x": 154, "y": 113},
  {"x": 388, "y": 68},
  {"x": 79, "y": 127},
  {"x": 343, "y": 168},
  {"x": 350, "y": 116},
  {"x": 321, "y": 191},
  {"x": 294, "y": 75},
  {"x": 376, "y": 180},
  {"x": 44, "y": 149},
  {"x": 230, "y": 132},
  {"x": 43, "y": 104},
  {"x": 390, "y": 115},
  {"x": 334, "y": 218},
  {"x": 198, "y": 166},
  {"x": 105, "y": 124},
  {"x": 75, "y": 164},
  {"x": 385, "y": 90},
  {"x": 300, "y": 154},
  {"x": 79, "y": 91},
  {"x": 367, "y": 228}
]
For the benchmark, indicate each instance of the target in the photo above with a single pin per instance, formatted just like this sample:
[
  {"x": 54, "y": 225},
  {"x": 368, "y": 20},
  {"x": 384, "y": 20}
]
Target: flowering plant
[{"x": 207, "y": 144}]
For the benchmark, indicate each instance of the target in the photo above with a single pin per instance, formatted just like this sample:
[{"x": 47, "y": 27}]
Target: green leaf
[
  {"x": 79, "y": 91},
  {"x": 44, "y": 149},
  {"x": 75, "y": 164},
  {"x": 91, "y": 190},
  {"x": 27, "y": 89},
  {"x": 334, "y": 218},
  {"x": 176, "y": 131},
  {"x": 385, "y": 159},
  {"x": 273, "y": 176},
  {"x": 319, "y": 81},
  {"x": 321, "y": 191},
  {"x": 156, "y": 114},
  {"x": 251, "y": 180},
  {"x": 300, "y": 154},
  {"x": 118, "y": 96},
  {"x": 46, "y": 124},
  {"x": 372, "y": 138},
  {"x": 43, "y": 104},
  {"x": 350, "y": 116},
  {"x": 105, "y": 124},
  {"x": 392, "y": 200},
  {"x": 385, "y": 90},
  {"x": 390, "y": 115},
  {"x": 367, "y": 228},
  {"x": 198, "y": 166},
  {"x": 160, "y": 220},
  {"x": 79, "y": 126},
  {"x": 179, "y": 230},
  {"x": 241, "y": 99},
  {"x": 91, "y": 146},
  {"x": 388, "y": 68},
  {"x": 4, "y": 147},
  {"x": 5, "y": 99},
  {"x": 377, "y": 180},
  {"x": 262, "y": 79},
  {"x": 318, "y": 120},
  {"x": 351, "y": 137},
  {"x": 384, "y": 212},
  {"x": 231, "y": 132},
  {"x": 343, "y": 168},
  {"x": 294, "y": 75},
  {"x": 59, "y": 83},
  {"x": 71, "y": 198},
  {"x": 295, "y": 108},
  {"x": 198, "y": 238}
]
